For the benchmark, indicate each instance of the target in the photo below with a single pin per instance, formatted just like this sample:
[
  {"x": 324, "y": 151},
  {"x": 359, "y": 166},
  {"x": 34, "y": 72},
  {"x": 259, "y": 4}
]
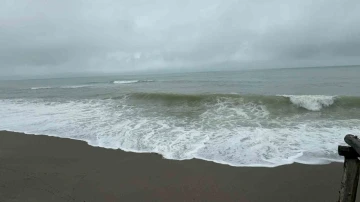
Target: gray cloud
[{"x": 127, "y": 35}]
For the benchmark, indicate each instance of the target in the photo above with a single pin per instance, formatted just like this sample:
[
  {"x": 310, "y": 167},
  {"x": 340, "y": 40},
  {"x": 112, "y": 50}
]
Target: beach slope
[{"x": 40, "y": 168}]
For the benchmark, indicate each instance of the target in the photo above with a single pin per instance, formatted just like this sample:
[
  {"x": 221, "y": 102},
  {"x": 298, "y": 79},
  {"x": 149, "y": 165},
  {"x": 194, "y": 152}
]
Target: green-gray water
[{"x": 244, "y": 118}]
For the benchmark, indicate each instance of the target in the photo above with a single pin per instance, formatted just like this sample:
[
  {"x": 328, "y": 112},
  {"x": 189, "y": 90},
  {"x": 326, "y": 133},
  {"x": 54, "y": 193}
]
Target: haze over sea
[{"x": 242, "y": 118}]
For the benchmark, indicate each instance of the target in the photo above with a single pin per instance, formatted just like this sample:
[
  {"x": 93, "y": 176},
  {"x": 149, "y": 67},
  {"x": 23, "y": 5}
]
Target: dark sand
[{"x": 44, "y": 169}]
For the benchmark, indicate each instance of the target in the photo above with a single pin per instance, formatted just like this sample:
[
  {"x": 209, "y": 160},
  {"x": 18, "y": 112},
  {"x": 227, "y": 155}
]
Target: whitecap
[
  {"x": 41, "y": 87},
  {"x": 311, "y": 102},
  {"x": 125, "y": 82}
]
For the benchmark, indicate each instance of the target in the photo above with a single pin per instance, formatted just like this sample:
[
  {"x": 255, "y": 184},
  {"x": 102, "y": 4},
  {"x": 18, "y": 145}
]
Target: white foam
[
  {"x": 132, "y": 81},
  {"x": 311, "y": 102},
  {"x": 238, "y": 135},
  {"x": 89, "y": 85},
  {"x": 64, "y": 87},
  {"x": 42, "y": 87},
  {"x": 125, "y": 82},
  {"x": 76, "y": 86}
]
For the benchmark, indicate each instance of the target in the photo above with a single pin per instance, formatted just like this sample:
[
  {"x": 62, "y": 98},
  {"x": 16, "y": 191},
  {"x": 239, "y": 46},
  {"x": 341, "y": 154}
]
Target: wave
[
  {"x": 223, "y": 132},
  {"x": 76, "y": 86},
  {"x": 311, "y": 102},
  {"x": 234, "y": 129},
  {"x": 91, "y": 84},
  {"x": 39, "y": 88},
  {"x": 131, "y": 81},
  {"x": 301, "y": 102},
  {"x": 60, "y": 87}
]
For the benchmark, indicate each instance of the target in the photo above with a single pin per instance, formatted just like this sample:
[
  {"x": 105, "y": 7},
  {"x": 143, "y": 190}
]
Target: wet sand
[{"x": 37, "y": 168}]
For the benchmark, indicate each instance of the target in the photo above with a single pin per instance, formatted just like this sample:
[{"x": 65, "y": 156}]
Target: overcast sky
[{"x": 64, "y": 36}]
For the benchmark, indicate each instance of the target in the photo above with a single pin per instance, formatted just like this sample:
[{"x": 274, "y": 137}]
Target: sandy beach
[{"x": 41, "y": 168}]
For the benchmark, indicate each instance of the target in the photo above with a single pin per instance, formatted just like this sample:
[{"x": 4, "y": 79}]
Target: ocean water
[{"x": 241, "y": 118}]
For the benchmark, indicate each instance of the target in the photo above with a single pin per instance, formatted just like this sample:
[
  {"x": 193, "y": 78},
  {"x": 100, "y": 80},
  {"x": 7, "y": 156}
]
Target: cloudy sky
[{"x": 75, "y": 36}]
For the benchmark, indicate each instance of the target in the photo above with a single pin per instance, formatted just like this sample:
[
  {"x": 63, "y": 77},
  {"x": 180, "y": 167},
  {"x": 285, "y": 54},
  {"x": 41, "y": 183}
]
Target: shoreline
[
  {"x": 328, "y": 161},
  {"x": 47, "y": 168}
]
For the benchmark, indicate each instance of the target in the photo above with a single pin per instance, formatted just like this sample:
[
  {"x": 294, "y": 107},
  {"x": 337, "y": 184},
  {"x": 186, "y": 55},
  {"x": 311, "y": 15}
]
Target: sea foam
[
  {"x": 125, "y": 82},
  {"x": 131, "y": 81},
  {"x": 238, "y": 135},
  {"x": 41, "y": 87},
  {"x": 312, "y": 102}
]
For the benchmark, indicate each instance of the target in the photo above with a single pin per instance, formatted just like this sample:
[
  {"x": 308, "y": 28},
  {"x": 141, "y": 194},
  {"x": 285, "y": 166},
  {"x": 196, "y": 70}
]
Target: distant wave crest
[
  {"x": 131, "y": 81},
  {"x": 76, "y": 86},
  {"x": 92, "y": 84},
  {"x": 39, "y": 88},
  {"x": 61, "y": 87}
]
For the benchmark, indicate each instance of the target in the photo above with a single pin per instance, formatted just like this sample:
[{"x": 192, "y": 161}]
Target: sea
[{"x": 256, "y": 118}]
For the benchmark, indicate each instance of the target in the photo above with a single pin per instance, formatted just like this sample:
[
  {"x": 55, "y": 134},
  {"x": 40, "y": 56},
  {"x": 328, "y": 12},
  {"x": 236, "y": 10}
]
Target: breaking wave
[
  {"x": 239, "y": 130},
  {"x": 305, "y": 102},
  {"x": 311, "y": 102}
]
